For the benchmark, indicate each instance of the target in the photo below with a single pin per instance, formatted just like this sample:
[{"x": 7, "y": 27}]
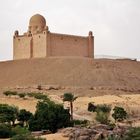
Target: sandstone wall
[
  {"x": 68, "y": 45},
  {"x": 47, "y": 44},
  {"x": 22, "y": 47},
  {"x": 39, "y": 45}
]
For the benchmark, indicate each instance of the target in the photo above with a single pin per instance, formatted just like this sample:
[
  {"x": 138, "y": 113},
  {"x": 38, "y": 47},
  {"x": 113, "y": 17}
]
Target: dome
[{"x": 37, "y": 22}]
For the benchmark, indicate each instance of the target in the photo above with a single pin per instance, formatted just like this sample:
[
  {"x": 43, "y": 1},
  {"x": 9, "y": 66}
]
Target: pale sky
[{"x": 115, "y": 23}]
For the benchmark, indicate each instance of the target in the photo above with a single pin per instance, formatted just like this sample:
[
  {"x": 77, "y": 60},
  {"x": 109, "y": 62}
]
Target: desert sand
[{"x": 57, "y": 136}]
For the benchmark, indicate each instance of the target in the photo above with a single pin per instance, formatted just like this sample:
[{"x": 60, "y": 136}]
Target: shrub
[
  {"x": 119, "y": 113},
  {"x": 5, "y": 131},
  {"x": 103, "y": 108},
  {"x": 22, "y": 95},
  {"x": 18, "y": 130},
  {"x": 25, "y": 137},
  {"x": 102, "y": 117},
  {"x": 91, "y": 107},
  {"x": 41, "y": 96},
  {"x": 31, "y": 94},
  {"x": 39, "y": 87},
  {"x": 114, "y": 137},
  {"x": 9, "y": 93},
  {"x": 79, "y": 122},
  {"x": 133, "y": 134},
  {"x": 111, "y": 125}
]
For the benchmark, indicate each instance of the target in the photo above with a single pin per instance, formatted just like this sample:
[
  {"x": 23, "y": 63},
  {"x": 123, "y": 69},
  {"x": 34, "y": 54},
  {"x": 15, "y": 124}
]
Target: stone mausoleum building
[{"x": 39, "y": 42}]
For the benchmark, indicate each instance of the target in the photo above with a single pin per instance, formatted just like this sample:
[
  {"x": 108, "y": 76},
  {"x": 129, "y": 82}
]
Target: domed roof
[{"x": 37, "y": 20}]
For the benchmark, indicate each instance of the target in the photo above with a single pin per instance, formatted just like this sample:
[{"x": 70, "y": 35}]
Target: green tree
[
  {"x": 119, "y": 113},
  {"x": 49, "y": 116},
  {"x": 70, "y": 98},
  {"x": 8, "y": 113},
  {"x": 24, "y": 116}
]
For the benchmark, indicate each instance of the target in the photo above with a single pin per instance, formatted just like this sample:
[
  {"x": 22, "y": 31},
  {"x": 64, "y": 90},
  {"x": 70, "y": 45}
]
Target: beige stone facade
[{"x": 39, "y": 42}]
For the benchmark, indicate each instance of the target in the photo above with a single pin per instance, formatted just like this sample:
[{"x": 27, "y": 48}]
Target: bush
[
  {"x": 111, "y": 125},
  {"x": 22, "y": 95},
  {"x": 102, "y": 117},
  {"x": 9, "y": 93},
  {"x": 39, "y": 87},
  {"x": 25, "y": 137},
  {"x": 5, "y": 131},
  {"x": 18, "y": 130},
  {"x": 113, "y": 137},
  {"x": 103, "y": 113},
  {"x": 31, "y": 94},
  {"x": 103, "y": 108},
  {"x": 119, "y": 113},
  {"x": 41, "y": 96},
  {"x": 91, "y": 107},
  {"x": 79, "y": 122},
  {"x": 49, "y": 116}
]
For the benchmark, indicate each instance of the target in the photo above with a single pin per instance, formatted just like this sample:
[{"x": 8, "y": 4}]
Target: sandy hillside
[{"x": 80, "y": 72}]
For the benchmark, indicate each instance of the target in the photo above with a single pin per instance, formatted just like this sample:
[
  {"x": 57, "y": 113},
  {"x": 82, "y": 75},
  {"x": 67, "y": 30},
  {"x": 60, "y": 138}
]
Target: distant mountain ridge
[{"x": 113, "y": 57}]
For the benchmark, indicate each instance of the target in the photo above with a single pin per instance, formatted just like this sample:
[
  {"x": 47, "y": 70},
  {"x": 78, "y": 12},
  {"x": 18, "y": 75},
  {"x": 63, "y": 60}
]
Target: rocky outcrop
[{"x": 93, "y": 132}]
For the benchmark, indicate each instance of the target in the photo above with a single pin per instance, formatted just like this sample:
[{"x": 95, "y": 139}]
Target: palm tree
[{"x": 70, "y": 98}]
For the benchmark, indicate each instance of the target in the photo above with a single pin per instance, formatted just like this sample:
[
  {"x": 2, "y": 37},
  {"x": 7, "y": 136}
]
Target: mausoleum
[{"x": 39, "y": 42}]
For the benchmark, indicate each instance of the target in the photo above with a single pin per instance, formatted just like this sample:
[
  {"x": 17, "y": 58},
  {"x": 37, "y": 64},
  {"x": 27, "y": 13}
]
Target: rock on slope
[{"x": 70, "y": 72}]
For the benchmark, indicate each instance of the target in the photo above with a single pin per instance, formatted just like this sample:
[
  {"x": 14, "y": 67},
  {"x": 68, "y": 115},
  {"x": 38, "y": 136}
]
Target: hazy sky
[{"x": 115, "y": 23}]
